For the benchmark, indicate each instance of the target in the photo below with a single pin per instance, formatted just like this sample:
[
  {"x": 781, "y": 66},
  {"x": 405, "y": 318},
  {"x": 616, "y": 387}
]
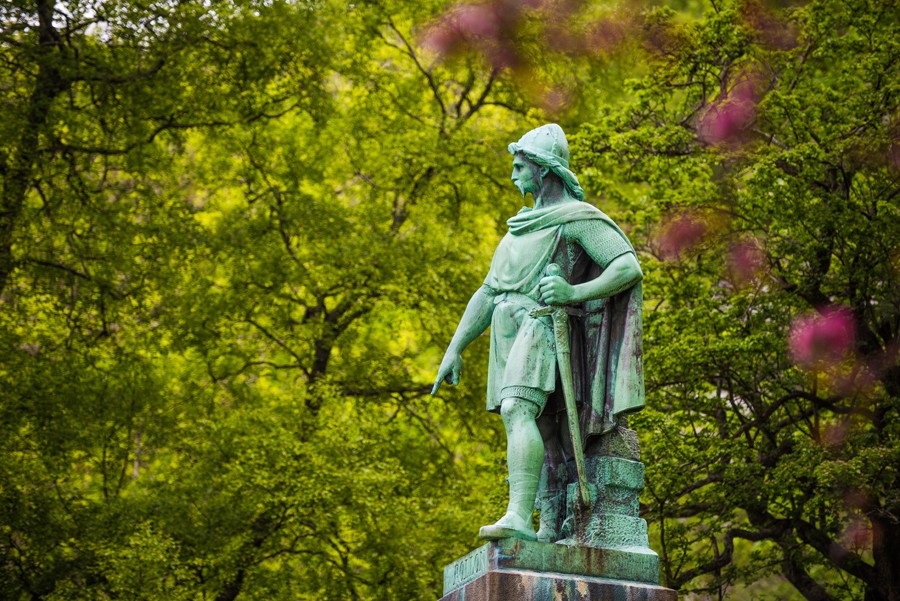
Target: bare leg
[{"x": 524, "y": 458}]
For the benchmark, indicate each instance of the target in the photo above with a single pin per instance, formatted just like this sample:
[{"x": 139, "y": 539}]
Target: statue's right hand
[{"x": 451, "y": 366}]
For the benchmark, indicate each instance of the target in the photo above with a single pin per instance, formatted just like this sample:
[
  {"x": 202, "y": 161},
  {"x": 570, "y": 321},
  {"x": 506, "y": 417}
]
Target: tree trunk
[
  {"x": 886, "y": 552},
  {"x": 49, "y": 83}
]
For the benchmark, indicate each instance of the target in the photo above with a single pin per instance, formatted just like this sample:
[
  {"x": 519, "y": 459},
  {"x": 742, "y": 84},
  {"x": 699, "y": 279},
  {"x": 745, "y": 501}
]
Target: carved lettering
[{"x": 466, "y": 569}]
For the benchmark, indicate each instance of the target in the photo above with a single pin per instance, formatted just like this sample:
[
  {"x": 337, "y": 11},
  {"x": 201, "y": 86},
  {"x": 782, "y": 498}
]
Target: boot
[
  {"x": 516, "y": 523},
  {"x": 551, "y": 504},
  {"x": 551, "y": 497}
]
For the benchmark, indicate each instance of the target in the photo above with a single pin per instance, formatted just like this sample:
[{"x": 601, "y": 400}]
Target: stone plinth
[
  {"x": 541, "y": 570},
  {"x": 599, "y": 552},
  {"x": 612, "y": 520},
  {"x": 528, "y": 585}
]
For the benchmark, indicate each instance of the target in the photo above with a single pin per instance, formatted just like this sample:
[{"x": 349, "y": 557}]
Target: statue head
[
  {"x": 527, "y": 175},
  {"x": 547, "y": 148}
]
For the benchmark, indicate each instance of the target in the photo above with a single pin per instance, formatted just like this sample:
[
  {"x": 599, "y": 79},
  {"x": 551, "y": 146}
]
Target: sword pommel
[{"x": 553, "y": 269}]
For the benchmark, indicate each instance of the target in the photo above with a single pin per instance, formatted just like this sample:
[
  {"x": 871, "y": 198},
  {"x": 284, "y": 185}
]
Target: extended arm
[
  {"x": 622, "y": 273},
  {"x": 475, "y": 320}
]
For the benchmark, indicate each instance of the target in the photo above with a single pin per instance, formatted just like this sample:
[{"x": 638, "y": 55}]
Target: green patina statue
[{"x": 563, "y": 300}]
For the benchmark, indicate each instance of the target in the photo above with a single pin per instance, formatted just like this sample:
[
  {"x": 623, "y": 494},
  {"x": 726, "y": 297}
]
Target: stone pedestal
[
  {"x": 600, "y": 552},
  {"x": 523, "y": 585},
  {"x": 516, "y": 570}
]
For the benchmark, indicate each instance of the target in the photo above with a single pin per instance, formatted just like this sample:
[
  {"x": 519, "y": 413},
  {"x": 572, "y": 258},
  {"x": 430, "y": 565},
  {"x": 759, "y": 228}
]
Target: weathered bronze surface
[
  {"x": 563, "y": 301},
  {"x": 533, "y": 571}
]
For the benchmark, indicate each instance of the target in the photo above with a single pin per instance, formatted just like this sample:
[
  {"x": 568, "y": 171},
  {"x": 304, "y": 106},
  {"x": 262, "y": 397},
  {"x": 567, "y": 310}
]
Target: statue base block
[
  {"x": 515, "y": 569},
  {"x": 528, "y": 585}
]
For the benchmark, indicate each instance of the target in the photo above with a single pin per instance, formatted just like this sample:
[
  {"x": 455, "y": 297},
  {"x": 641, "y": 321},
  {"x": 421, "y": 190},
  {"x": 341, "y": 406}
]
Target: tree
[
  {"x": 231, "y": 253},
  {"x": 218, "y": 309},
  {"x": 757, "y": 164}
]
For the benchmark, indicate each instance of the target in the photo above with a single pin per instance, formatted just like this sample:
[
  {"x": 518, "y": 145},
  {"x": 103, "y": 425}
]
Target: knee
[{"x": 514, "y": 408}]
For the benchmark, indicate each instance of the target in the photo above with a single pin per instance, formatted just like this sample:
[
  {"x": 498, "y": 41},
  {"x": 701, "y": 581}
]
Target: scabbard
[{"x": 563, "y": 359}]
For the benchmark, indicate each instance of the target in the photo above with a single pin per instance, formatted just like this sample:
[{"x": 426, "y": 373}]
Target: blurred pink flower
[
  {"x": 486, "y": 27},
  {"x": 727, "y": 120},
  {"x": 503, "y": 55},
  {"x": 443, "y": 39},
  {"x": 554, "y": 101},
  {"x": 607, "y": 35},
  {"x": 682, "y": 233},
  {"x": 821, "y": 340},
  {"x": 746, "y": 260},
  {"x": 857, "y": 534},
  {"x": 835, "y": 434},
  {"x": 477, "y": 21},
  {"x": 462, "y": 25}
]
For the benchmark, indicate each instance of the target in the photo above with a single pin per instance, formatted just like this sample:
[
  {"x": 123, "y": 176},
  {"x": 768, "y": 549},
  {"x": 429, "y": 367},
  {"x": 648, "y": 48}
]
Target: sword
[{"x": 563, "y": 358}]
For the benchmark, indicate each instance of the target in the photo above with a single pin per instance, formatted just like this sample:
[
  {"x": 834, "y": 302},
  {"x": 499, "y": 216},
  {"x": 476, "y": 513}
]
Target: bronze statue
[{"x": 563, "y": 300}]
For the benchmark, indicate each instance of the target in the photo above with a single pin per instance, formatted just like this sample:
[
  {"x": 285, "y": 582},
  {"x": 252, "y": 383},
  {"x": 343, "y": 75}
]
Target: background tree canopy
[{"x": 235, "y": 237}]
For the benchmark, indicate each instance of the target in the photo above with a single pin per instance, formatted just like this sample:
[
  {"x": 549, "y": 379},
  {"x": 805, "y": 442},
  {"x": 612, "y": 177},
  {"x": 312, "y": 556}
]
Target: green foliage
[
  {"x": 741, "y": 444},
  {"x": 235, "y": 237},
  {"x": 227, "y": 279}
]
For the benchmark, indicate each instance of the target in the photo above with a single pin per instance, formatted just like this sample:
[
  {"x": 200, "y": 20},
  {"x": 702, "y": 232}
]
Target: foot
[
  {"x": 550, "y": 506},
  {"x": 546, "y": 534},
  {"x": 509, "y": 526}
]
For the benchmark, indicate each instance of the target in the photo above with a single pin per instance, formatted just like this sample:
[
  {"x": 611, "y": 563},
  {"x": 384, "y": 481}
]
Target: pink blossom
[
  {"x": 821, "y": 340},
  {"x": 727, "y": 120},
  {"x": 477, "y": 21},
  {"x": 554, "y": 101},
  {"x": 607, "y": 35},
  {"x": 463, "y": 25},
  {"x": 857, "y": 534},
  {"x": 835, "y": 434},
  {"x": 503, "y": 55},
  {"x": 443, "y": 39},
  {"x": 681, "y": 234},
  {"x": 746, "y": 260},
  {"x": 486, "y": 27}
]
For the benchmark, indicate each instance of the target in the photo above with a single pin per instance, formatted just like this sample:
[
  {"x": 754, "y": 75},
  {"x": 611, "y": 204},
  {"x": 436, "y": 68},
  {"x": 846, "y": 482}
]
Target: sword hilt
[{"x": 552, "y": 269}]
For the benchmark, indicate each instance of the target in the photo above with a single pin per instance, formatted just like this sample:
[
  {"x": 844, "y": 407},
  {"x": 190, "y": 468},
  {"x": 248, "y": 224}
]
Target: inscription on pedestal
[{"x": 466, "y": 569}]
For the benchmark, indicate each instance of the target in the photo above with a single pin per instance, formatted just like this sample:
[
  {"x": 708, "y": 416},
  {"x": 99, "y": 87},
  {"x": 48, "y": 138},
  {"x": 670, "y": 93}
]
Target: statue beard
[
  {"x": 537, "y": 181},
  {"x": 521, "y": 188}
]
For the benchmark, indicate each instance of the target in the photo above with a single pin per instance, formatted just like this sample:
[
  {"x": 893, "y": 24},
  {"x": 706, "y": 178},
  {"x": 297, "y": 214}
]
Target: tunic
[{"x": 583, "y": 241}]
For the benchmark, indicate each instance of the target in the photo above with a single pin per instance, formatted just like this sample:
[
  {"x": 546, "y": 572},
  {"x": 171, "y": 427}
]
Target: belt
[{"x": 536, "y": 309}]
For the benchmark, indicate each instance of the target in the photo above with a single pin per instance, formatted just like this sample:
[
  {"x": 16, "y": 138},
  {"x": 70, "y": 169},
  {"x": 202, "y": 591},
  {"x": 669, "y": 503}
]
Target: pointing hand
[{"x": 451, "y": 367}]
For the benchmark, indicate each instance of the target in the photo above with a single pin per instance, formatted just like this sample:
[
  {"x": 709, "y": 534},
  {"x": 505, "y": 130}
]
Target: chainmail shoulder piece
[{"x": 600, "y": 241}]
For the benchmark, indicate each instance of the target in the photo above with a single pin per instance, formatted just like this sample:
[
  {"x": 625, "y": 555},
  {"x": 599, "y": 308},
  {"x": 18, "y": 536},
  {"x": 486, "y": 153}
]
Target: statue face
[{"x": 525, "y": 175}]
